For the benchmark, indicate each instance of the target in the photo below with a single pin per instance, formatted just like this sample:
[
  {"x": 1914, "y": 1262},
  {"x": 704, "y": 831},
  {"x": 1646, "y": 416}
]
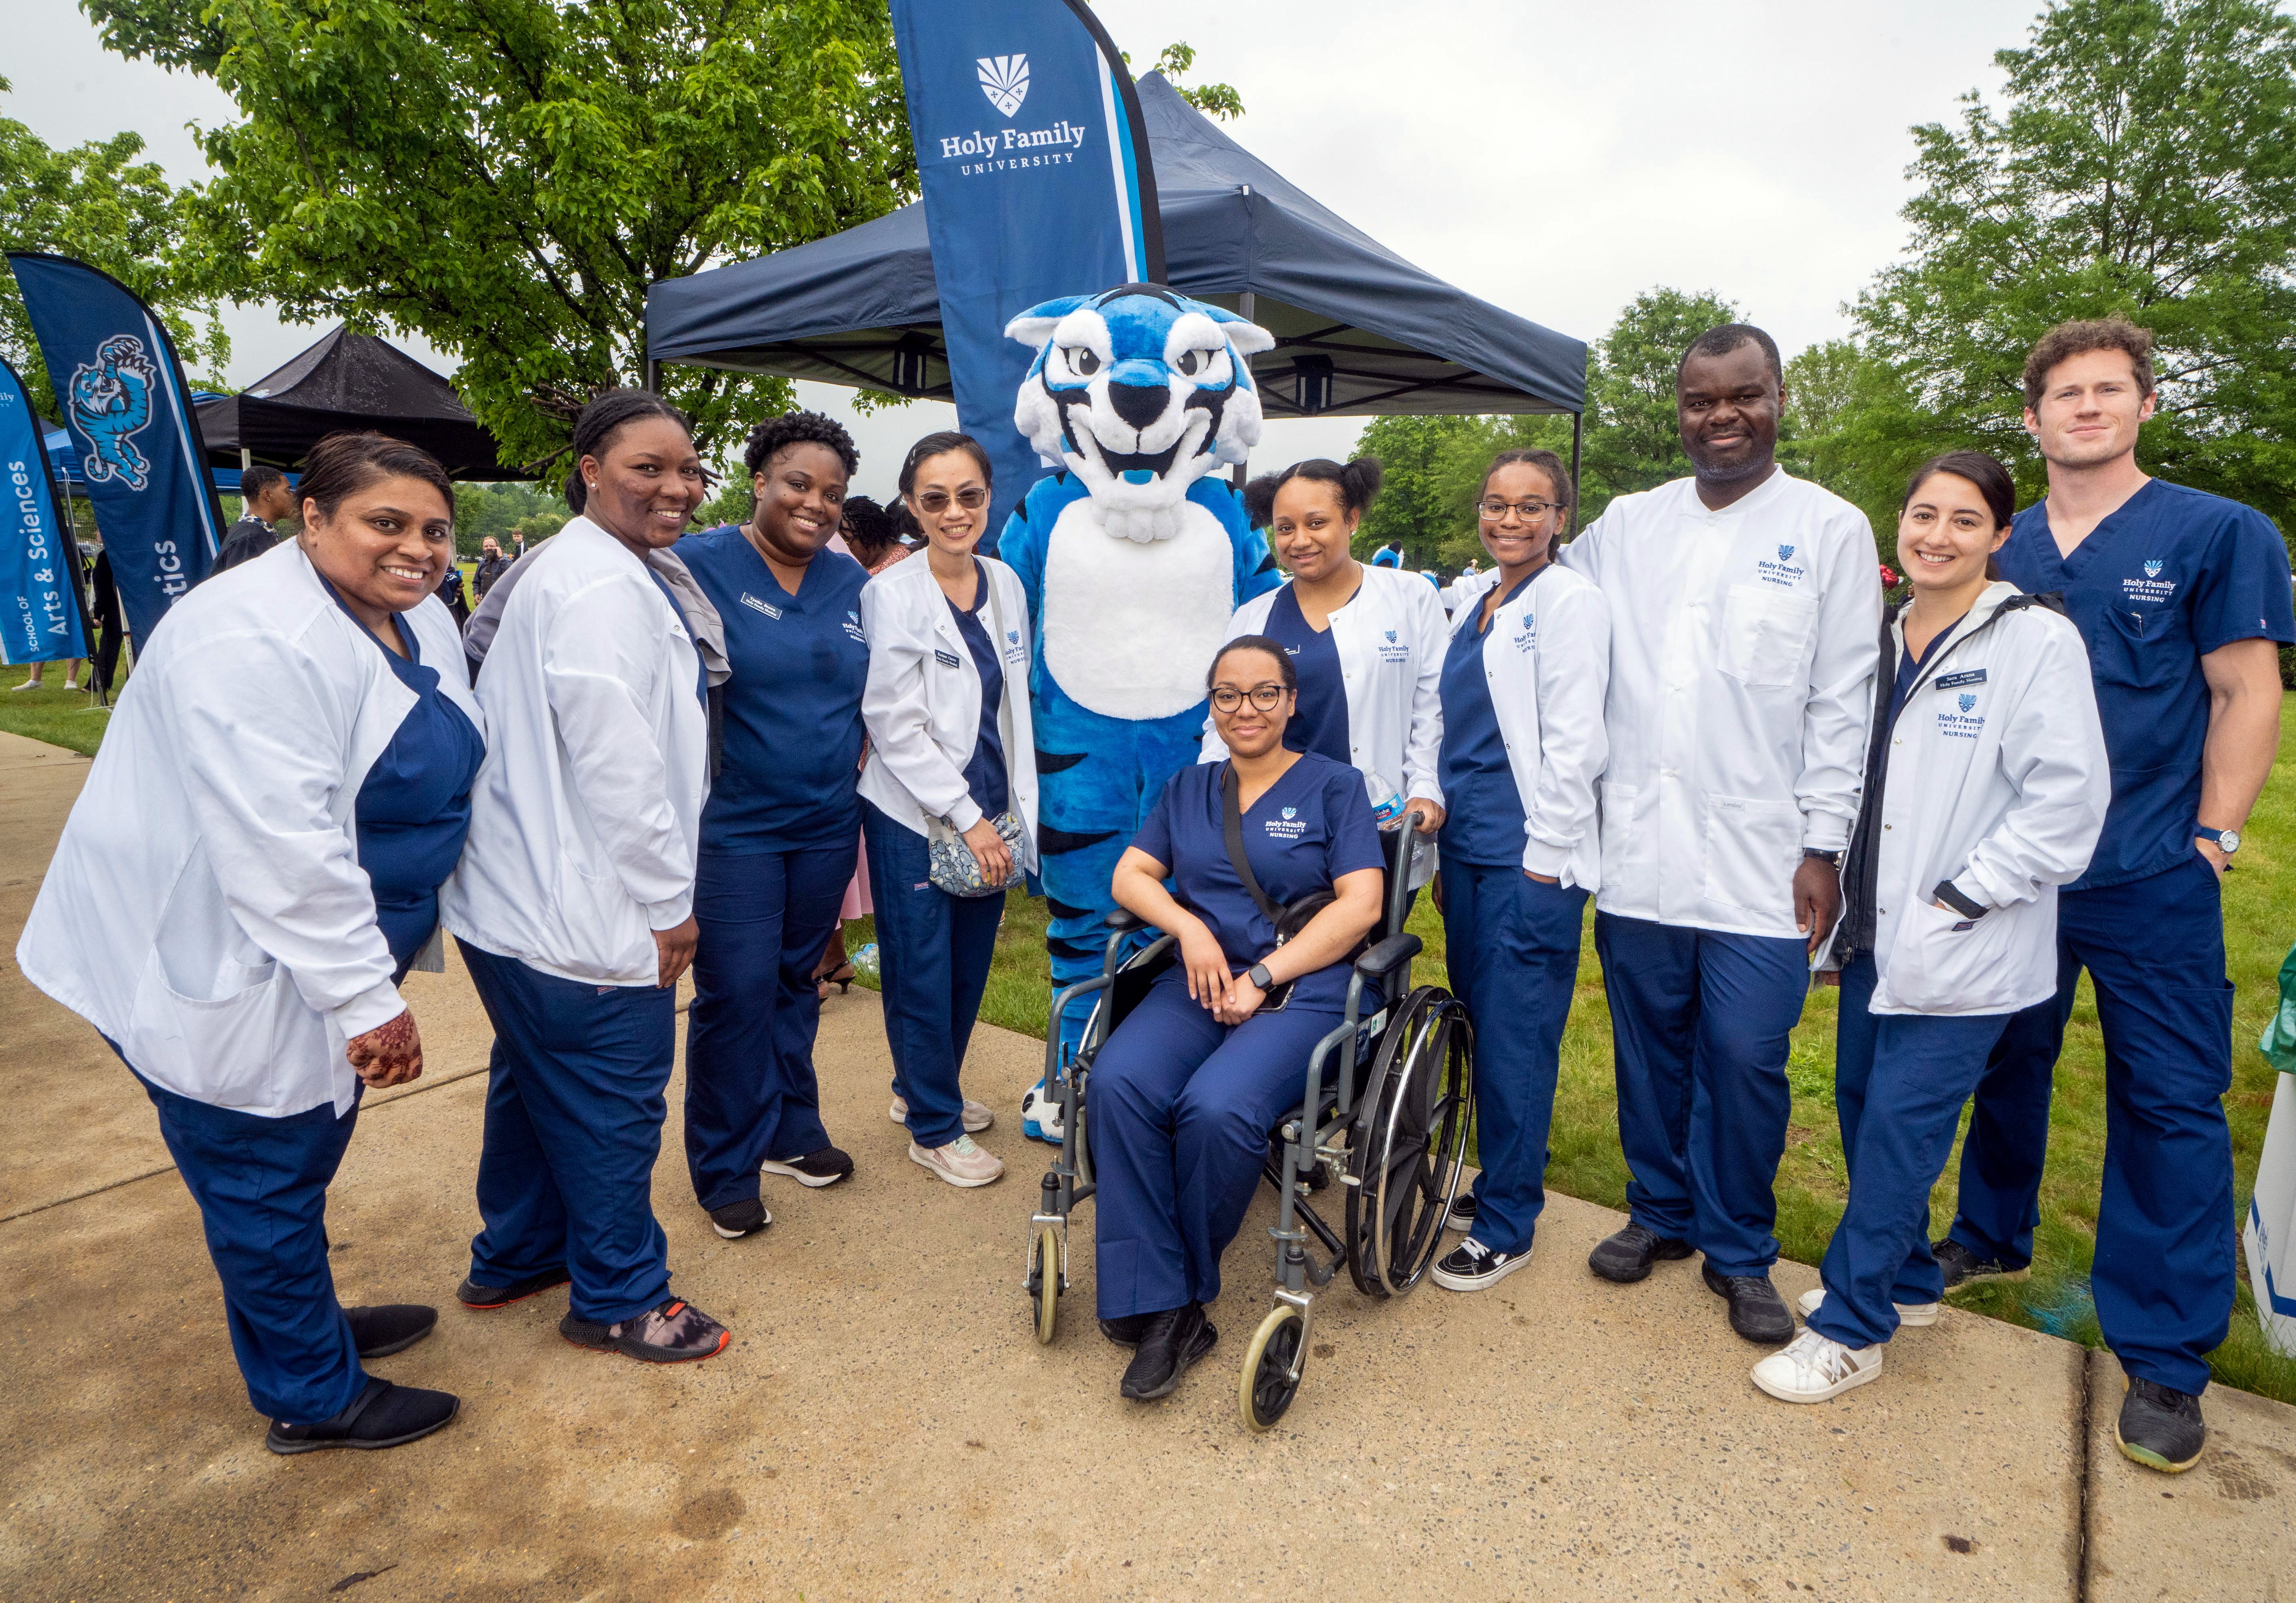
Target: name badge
[
  {"x": 1952, "y": 681},
  {"x": 946, "y": 659},
  {"x": 768, "y": 608}
]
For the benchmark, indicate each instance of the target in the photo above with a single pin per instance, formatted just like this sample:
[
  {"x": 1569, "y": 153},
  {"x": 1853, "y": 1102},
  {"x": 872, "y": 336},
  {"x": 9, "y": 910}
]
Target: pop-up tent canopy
[
  {"x": 1359, "y": 331},
  {"x": 347, "y": 380}
]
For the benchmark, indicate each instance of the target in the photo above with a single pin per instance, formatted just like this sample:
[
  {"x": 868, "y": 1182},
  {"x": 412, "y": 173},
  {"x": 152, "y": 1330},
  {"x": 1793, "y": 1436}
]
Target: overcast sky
[{"x": 1553, "y": 159}]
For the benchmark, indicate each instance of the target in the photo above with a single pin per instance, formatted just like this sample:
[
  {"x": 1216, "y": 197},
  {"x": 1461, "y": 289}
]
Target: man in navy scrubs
[{"x": 2182, "y": 597}]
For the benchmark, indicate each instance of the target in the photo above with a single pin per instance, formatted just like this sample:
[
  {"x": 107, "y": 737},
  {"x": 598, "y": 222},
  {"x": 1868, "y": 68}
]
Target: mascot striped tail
[{"x": 1134, "y": 560}]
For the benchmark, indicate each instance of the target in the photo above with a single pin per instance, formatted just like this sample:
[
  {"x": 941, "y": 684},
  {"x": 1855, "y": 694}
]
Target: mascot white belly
[{"x": 1130, "y": 627}]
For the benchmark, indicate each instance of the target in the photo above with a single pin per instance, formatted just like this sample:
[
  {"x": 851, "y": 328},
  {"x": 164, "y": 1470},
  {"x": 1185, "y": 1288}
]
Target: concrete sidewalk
[{"x": 883, "y": 1426}]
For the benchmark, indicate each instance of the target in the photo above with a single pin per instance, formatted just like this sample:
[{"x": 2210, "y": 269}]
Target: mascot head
[{"x": 1139, "y": 392}]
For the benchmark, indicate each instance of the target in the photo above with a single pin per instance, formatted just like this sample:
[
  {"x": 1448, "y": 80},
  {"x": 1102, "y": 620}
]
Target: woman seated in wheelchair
[{"x": 1184, "y": 1094}]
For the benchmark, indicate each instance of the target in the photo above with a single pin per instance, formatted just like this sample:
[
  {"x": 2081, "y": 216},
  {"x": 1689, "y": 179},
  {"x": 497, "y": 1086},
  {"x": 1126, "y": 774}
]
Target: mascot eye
[
  {"x": 1083, "y": 362},
  {"x": 1192, "y": 362}
]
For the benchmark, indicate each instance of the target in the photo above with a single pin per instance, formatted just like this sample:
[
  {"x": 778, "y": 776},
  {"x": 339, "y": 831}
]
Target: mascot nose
[{"x": 1139, "y": 405}]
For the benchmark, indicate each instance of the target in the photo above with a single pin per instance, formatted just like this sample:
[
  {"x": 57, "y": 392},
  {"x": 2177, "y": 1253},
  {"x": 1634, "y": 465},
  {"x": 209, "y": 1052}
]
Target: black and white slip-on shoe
[
  {"x": 826, "y": 1167},
  {"x": 737, "y": 1219},
  {"x": 1471, "y": 1266},
  {"x": 389, "y": 1327},
  {"x": 482, "y": 1298},
  {"x": 1173, "y": 1340},
  {"x": 674, "y": 1333},
  {"x": 383, "y": 1415},
  {"x": 2159, "y": 1428},
  {"x": 1462, "y": 1216}
]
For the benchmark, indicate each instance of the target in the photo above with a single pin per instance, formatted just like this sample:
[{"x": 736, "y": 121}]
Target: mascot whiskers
[{"x": 1134, "y": 560}]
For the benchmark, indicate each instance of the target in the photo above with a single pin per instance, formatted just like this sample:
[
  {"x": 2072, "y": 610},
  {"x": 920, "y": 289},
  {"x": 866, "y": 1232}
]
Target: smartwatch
[
  {"x": 1258, "y": 975},
  {"x": 2226, "y": 841}
]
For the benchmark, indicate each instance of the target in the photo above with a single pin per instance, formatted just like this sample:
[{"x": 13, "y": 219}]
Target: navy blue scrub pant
[
  {"x": 933, "y": 953},
  {"x": 1179, "y": 1107},
  {"x": 1900, "y": 1080},
  {"x": 2164, "y": 1271},
  {"x": 1513, "y": 945},
  {"x": 261, "y": 1185},
  {"x": 751, "y": 1094},
  {"x": 575, "y": 1104},
  {"x": 1700, "y": 1023}
]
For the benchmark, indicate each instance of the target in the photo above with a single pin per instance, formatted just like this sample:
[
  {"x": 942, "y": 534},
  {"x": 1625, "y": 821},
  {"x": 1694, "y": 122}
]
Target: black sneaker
[
  {"x": 1471, "y": 1266},
  {"x": 1126, "y": 1329},
  {"x": 471, "y": 1295},
  {"x": 382, "y": 1416},
  {"x": 1626, "y": 1256},
  {"x": 1963, "y": 1267},
  {"x": 392, "y": 1328},
  {"x": 1172, "y": 1340},
  {"x": 826, "y": 1167},
  {"x": 1757, "y": 1311},
  {"x": 737, "y": 1219},
  {"x": 2160, "y": 1428},
  {"x": 1462, "y": 1216},
  {"x": 675, "y": 1333}
]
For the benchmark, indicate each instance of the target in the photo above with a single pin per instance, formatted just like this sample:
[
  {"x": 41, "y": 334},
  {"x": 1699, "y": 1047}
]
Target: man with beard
[{"x": 1745, "y": 610}]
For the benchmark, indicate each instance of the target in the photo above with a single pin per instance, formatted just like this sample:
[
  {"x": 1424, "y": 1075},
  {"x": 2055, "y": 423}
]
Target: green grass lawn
[{"x": 61, "y": 717}]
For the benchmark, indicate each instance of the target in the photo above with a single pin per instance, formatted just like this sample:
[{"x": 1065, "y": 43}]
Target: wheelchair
[{"x": 1387, "y": 1123}]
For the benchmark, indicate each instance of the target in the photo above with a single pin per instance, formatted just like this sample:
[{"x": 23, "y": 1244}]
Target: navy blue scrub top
[
  {"x": 1321, "y": 724},
  {"x": 413, "y": 808},
  {"x": 1311, "y": 825},
  {"x": 984, "y": 774},
  {"x": 2172, "y": 575},
  {"x": 1486, "y": 818},
  {"x": 793, "y": 708},
  {"x": 1909, "y": 668}
]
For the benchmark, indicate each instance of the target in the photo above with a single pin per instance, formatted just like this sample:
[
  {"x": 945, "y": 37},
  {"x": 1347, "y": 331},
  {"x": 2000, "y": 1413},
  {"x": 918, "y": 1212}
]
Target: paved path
[{"x": 883, "y": 1426}]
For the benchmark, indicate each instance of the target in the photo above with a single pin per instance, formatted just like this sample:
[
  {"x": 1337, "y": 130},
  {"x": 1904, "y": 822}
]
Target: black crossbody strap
[{"x": 1232, "y": 826}]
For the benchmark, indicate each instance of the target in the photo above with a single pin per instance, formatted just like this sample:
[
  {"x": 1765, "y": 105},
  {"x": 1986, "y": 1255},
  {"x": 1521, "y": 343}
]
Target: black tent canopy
[
  {"x": 347, "y": 380},
  {"x": 1359, "y": 331}
]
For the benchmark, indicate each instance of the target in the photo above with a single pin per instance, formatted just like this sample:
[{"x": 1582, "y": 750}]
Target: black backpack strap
[{"x": 1232, "y": 826}]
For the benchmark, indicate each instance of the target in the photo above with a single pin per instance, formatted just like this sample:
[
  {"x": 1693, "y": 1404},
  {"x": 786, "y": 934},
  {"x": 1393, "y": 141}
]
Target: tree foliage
[
  {"x": 97, "y": 203},
  {"x": 1633, "y": 442}
]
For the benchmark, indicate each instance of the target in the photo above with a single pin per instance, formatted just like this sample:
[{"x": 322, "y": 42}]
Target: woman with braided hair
[{"x": 783, "y": 828}]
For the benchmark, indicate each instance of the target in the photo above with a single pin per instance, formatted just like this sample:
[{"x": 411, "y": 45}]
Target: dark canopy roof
[
  {"x": 861, "y": 307},
  {"x": 347, "y": 380}
]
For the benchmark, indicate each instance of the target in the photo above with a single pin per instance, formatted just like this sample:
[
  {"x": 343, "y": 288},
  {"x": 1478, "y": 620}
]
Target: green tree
[
  {"x": 1632, "y": 440},
  {"x": 1409, "y": 511},
  {"x": 2144, "y": 163},
  {"x": 97, "y": 203}
]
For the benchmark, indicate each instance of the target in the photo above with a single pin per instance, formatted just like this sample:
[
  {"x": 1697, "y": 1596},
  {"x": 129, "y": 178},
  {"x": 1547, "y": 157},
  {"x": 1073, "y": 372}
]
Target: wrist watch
[
  {"x": 1831, "y": 857},
  {"x": 1258, "y": 975},
  {"x": 2226, "y": 841}
]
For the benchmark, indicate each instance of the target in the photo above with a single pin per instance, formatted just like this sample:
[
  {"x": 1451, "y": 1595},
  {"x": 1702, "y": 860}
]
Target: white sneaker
[
  {"x": 1912, "y": 1316},
  {"x": 960, "y": 1163},
  {"x": 977, "y": 1115},
  {"x": 1810, "y": 1368}
]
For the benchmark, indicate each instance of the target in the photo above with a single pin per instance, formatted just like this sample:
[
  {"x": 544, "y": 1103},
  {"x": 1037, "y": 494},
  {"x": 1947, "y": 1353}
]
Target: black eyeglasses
[
  {"x": 1227, "y": 698},
  {"x": 1494, "y": 510},
  {"x": 972, "y": 498}
]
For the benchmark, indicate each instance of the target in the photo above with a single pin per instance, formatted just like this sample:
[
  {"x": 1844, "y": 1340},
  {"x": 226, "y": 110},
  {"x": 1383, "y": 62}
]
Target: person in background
[
  {"x": 1985, "y": 789},
  {"x": 32, "y": 672},
  {"x": 492, "y": 565},
  {"x": 574, "y": 904},
  {"x": 1745, "y": 607},
  {"x": 450, "y": 591},
  {"x": 242, "y": 886},
  {"x": 1522, "y": 683},
  {"x": 2184, "y": 599},
  {"x": 783, "y": 826},
  {"x": 951, "y": 745},
  {"x": 266, "y": 501}
]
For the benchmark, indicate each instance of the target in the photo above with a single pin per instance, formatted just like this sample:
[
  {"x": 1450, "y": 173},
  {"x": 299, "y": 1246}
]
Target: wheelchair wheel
[
  {"x": 1269, "y": 1383},
  {"x": 1408, "y": 1142},
  {"x": 1045, "y": 1282}
]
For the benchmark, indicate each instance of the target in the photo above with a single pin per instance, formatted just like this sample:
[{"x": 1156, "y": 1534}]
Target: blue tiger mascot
[{"x": 1134, "y": 561}]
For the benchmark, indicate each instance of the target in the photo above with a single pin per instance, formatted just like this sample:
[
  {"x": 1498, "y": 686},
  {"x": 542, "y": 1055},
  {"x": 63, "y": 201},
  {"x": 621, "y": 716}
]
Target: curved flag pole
[{"x": 1148, "y": 217}]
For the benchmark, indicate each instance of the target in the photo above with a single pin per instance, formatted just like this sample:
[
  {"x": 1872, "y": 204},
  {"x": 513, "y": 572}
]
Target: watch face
[{"x": 2228, "y": 840}]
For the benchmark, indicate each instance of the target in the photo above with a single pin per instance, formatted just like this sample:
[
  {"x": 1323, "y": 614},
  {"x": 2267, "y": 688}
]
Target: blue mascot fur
[{"x": 1133, "y": 561}]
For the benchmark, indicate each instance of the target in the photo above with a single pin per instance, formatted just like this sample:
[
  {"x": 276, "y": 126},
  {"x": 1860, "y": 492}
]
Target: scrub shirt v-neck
[
  {"x": 1909, "y": 668},
  {"x": 413, "y": 807},
  {"x": 1321, "y": 724},
  {"x": 1486, "y": 818},
  {"x": 792, "y": 706},
  {"x": 985, "y": 773},
  {"x": 1310, "y": 826},
  {"x": 2171, "y": 575}
]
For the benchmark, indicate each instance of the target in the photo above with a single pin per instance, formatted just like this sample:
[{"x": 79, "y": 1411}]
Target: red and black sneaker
[{"x": 675, "y": 1333}]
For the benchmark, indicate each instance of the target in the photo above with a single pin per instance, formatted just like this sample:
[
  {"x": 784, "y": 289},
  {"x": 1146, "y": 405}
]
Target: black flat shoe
[
  {"x": 1126, "y": 1329},
  {"x": 1757, "y": 1311},
  {"x": 1626, "y": 1256},
  {"x": 389, "y": 1327},
  {"x": 382, "y": 1416},
  {"x": 1172, "y": 1340},
  {"x": 471, "y": 1295}
]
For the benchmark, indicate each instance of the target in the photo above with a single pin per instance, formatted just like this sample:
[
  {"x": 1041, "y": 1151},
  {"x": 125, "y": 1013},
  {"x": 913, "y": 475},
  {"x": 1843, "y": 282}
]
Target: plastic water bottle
[
  {"x": 864, "y": 962},
  {"x": 1386, "y": 802}
]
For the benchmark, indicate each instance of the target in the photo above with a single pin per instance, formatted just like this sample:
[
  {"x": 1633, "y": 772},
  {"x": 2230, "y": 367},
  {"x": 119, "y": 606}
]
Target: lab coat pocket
[
  {"x": 1617, "y": 821},
  {"x": 597, "y": 911},
  {"x": 1765, "y": 634},
  {"x": 215, "y": 1049},
  {"x": 1943, "y": 962},
  {"x": 1752, "y": 848}
]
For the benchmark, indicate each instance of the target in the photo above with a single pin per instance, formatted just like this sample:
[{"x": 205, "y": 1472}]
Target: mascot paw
[{"x": 1040, "y": 1114}]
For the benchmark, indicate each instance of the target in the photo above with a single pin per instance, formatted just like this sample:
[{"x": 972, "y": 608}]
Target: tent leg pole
[
  {"x": 1577, "y": 438},
  {"x": 654, "y": 376},
  {"x": 1246, "y": 308},
  {"x": 246, "y": 459}
]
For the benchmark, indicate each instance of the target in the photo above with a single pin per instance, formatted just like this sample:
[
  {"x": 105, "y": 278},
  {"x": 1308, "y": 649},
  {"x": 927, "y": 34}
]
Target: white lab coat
[
  {"x": 1742, "y": 649},
  {"x": 1997, "y": 781},
  {"x": 205, "y": 908},
  {"x": 584, "y": 820},
  {"x": 922, "y": 700},
  {"x": 1391, "y": 640},
  {"x": 1548, "y": 660}
]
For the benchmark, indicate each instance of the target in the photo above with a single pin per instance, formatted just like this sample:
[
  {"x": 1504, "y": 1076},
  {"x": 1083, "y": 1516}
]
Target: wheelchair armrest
[
  {"x": 1387, "y": 956},
  {"x": 1123, "y": 920}
]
